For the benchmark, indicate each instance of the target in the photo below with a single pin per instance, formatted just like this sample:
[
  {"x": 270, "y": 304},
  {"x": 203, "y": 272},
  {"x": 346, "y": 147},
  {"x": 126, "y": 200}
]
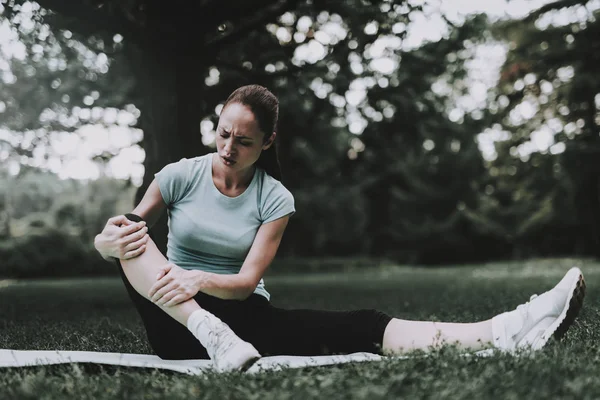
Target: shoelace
[{"x": 220, "y": 339}]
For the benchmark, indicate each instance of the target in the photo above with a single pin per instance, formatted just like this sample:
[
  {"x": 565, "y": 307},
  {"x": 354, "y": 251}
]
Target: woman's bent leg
[
  {"x": 168, "y": 338},
  {"x": 226, "y": 349},
  {"x": 141, "y": 273}
]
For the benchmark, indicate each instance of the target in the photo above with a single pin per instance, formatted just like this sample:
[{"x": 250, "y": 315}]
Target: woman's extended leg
[
  {"x": 276, "y": 331},
  {"x": 226, "y": 349},
  {"x": 404, "y": 335},
  {"x": 305, "y": 332},
  {"x": 528, "y": 326}
]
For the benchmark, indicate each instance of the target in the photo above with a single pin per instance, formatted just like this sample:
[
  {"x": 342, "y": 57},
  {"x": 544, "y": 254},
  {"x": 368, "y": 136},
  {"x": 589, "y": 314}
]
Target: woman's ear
[{"x": 269, "y": 142}]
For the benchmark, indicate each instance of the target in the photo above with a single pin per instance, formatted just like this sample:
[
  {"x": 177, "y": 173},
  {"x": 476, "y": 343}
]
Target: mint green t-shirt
[{"x": 210, "y": 231}]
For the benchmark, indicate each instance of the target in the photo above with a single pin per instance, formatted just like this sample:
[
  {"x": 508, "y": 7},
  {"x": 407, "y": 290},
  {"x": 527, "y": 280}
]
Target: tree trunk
[
  {"x": 171, "y": 79},
  {"x": 5, "y": 215}
]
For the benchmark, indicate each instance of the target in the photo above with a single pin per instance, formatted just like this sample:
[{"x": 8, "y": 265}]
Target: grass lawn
[{"x": 95, "y": 315}]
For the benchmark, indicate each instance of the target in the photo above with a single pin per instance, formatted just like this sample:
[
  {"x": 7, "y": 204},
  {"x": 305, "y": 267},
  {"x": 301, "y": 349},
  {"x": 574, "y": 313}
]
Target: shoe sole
[
  {"x": 240, "y": 358},
  {"x": 575, "y": 305},
  {"x": 248, "y": 364},
  {"x": 572, "y": 307}
]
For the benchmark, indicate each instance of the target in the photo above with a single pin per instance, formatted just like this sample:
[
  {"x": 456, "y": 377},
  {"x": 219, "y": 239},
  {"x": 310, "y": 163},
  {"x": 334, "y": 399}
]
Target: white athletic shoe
[
  {"x": 532, "y": 324},
  {"x": 227, "y": 351}
]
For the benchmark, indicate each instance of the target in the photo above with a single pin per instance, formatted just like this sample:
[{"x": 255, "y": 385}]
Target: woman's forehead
[{"x": 238, "y": 116}]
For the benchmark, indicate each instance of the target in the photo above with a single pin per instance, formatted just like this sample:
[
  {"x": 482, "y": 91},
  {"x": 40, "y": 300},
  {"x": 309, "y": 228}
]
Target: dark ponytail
[
  {"x": 265, "y": 107},
  {"x": 269, "y": 161}
]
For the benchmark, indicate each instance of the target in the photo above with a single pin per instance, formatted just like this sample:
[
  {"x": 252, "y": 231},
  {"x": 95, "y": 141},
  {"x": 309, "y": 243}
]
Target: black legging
[{"x": 272, "y": 330}]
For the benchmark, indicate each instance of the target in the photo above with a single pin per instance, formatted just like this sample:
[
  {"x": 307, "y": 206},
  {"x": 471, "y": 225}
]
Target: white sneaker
[
  {"x": 227, "y": 351},
  {"x": 532, "y": 324}
]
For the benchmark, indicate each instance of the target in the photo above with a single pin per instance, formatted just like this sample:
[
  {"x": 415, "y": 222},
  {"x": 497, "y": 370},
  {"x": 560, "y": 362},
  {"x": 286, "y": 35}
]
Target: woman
[{"x": 227, "y": 215}]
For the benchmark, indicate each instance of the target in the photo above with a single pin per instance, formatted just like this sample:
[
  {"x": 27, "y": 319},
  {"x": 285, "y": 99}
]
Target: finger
[
  {"x": 159, "y": 289},
  {"x": 163, "y": 291},
  {"x": 164, "y": 270},
  {"x": 136, "y": 227},
  {"x": 175, "y": 300},
  {"x": 157, "y": 298},
  {"x": 171, "y": 266},
  {"x": 135, "y": 245},
  {"x": 117, "y": 220},
  {"x": 166, "y": 298},
  {"x": 159, "y": 284},
  {"x": 134, "y": 253},
  {"x": 137, "y": 235},
  {"x": 161, "y": 273}
]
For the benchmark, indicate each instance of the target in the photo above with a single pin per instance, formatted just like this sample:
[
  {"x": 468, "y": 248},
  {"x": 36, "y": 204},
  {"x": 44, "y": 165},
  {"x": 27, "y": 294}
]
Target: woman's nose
[{"x": 228, "y": 146}]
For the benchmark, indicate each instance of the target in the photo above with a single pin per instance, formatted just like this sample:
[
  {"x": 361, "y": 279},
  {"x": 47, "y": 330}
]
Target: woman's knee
[
  {"x": 372, "y": 317},
  {"x": 373, "y": 325}
]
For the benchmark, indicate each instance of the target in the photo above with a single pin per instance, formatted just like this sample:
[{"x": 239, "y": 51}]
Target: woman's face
[{"x": 239, "y": 139}]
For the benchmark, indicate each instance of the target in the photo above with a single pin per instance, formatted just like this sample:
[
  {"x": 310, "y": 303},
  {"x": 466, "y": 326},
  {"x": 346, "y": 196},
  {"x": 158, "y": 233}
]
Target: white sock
[
  {"x": 506, "y": 328},
  {"x": 498, "y": 331},
  {"x": 196, "y": 323}
]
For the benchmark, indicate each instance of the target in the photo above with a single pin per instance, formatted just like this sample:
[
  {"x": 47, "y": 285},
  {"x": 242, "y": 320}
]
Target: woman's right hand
[{"x": 122, "y": 238}]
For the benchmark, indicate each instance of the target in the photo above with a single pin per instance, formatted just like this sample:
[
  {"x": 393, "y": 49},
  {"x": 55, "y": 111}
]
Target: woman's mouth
[{"x": 227, "y": 161}]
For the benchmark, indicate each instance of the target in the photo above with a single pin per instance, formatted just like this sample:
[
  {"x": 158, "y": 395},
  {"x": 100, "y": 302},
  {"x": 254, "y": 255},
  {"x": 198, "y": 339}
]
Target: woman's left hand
[{"x": 174, "y": 285}]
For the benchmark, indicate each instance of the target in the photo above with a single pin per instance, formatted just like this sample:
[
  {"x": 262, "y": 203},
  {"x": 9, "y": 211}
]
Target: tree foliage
[
  {"x": 368, "y": 148},
  {"x": 545, "y": 182}
]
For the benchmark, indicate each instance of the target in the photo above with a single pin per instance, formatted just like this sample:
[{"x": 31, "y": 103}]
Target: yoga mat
[{"x": 27, "y": 358}]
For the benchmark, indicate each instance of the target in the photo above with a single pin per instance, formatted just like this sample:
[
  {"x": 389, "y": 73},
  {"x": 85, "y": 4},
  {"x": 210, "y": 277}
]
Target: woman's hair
[{"x": 265, "y": 107}]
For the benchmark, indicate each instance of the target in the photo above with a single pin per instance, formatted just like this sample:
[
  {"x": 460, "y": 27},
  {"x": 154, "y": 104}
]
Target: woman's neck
[{"x": 229, "y": 179}]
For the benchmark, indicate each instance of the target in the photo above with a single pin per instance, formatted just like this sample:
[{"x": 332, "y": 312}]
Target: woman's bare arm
[
  {"x": 124, "y": 239},
  {"x": 236, "y": 286}
]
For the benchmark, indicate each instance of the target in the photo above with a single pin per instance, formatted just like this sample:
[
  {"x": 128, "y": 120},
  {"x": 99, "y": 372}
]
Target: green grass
[{"x": 95, "y": 315}]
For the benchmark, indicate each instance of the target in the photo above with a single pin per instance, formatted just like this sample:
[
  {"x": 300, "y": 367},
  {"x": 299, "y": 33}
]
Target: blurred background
[{"x": 416, "y": 132}]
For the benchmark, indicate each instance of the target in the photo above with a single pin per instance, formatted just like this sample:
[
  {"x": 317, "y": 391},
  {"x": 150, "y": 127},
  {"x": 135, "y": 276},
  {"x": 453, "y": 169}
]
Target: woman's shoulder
[
  {"x": 186, "y": 164},
  {"x": 184, "y": 171},
  {"x": 198, "y": 160},
  {"x": 206, "y": 158},
  {"x": 272, "y": 186},
  {"x": 275, "y": 200}
]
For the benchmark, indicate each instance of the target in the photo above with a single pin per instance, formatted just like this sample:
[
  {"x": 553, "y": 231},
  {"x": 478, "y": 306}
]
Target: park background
[
  {"x": 410, "y": 132},
  {"x": 418, "y": 132}
]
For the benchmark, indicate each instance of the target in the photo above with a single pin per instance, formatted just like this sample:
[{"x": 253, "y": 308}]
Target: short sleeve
[
  {"x": 173, "y": 180},
  {"x": 277, "y": 204}
]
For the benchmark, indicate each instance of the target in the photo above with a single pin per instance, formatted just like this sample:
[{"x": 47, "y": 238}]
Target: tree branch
[
  {"x": 559, "y": 4},
  {"x": 132, "y": 18},
  {"x": 290, "y": 70},
  {"x": 246, "y": 24},
  {"x": 88, "y": 19}
]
